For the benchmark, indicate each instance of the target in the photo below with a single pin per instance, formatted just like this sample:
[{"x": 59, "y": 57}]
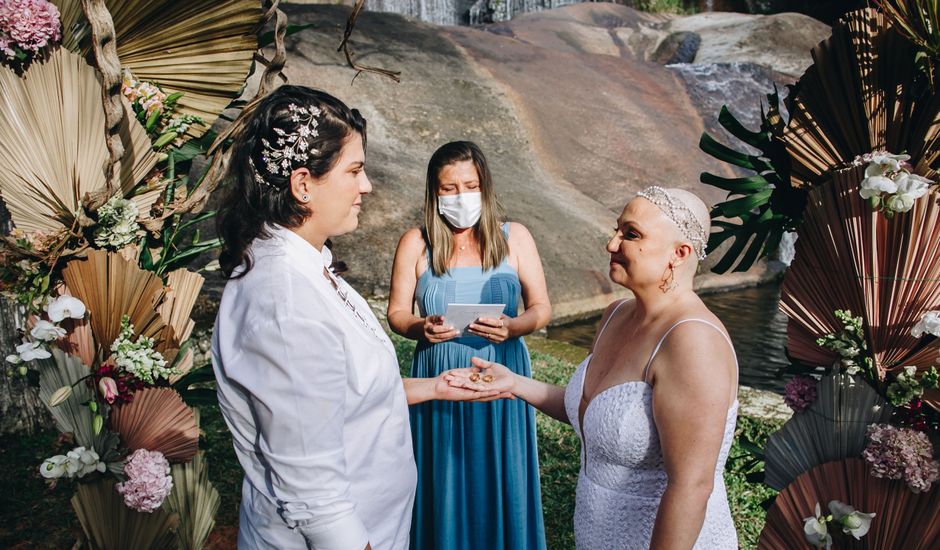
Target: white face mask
[{"x": 461, "y": 210}]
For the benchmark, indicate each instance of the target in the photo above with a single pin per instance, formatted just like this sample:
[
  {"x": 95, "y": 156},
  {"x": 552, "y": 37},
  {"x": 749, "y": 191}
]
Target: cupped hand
[
  {"x": 495, "y": 330},
  {"x": 436, "y": 330},
  {"x": 484, "y": 376}
]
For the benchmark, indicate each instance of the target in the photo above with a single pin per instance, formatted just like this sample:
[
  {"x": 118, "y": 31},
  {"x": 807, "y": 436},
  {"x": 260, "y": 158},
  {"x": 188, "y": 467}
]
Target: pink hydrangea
[
  {"x": 148, "y": 480},
  {"x": 901, "y": 453},
  {"x": 28, "y": 24},
  {"x": 800, "y": 393}
]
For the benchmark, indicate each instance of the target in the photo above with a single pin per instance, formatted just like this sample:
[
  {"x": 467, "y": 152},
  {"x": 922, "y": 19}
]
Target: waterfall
[
  {"x": 462, "y": 12},
  {"x": 709, "y": 5}
]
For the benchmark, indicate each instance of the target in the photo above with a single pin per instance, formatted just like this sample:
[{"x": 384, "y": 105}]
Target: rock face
[{"x": 572, "y": 114}]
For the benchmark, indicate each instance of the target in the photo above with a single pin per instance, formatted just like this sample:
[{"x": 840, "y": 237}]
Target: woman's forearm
[
  {"x": 406, "y": 324},
  {"x": 681, "y": 516},
  {"x": 531, "y": 320},
  {"x": 548, "y": 398},
  {"x": 419, "y": 390}
]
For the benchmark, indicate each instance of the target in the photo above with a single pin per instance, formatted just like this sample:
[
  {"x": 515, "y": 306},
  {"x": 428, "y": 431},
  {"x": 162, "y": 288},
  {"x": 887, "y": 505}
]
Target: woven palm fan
[
  {"x": 903, "y": 519},
  {"x": 110, "y": 525},
  {"x": 52, "y": 144},
  {"x": 849, "y": 256},
  {"x": 112, "y": 286},
  {"x": 195, "y": 500},
  {"x": 73, "y": 415},
  {"x": 832, "y": 428},
  {"x": 203, "y": 48},
  {"x": 857, "y": 97},
  {"x": 157, "y": 420}
]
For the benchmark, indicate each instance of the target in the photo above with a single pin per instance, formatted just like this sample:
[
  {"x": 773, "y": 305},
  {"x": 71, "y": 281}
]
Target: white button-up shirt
[{"x": 312, "y": 394}]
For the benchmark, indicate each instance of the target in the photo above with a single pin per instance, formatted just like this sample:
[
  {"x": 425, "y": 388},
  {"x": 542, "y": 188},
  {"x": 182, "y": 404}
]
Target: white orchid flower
[
  {"x": 874, "y": 186},
  {"x": 65, "y": 307},
  {"x": 883, "y": 163},
  {"x": 929, "y": 324},
  {"x": 53, "y": 467},
  {"x": 853, "y": 522},
  {"x": 46, "y": 331},
  {"x": 14, "y": 359},
  {"x": 30, "y": 351},
  {"x": 910, "y": 187},
  {"x": 816, "y": 531}
]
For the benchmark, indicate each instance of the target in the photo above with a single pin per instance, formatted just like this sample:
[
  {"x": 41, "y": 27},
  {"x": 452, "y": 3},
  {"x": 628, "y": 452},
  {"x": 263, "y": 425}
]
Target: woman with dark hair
[
  {"x": 478, "y": 477},
  {"x": 307, "y": 379}
]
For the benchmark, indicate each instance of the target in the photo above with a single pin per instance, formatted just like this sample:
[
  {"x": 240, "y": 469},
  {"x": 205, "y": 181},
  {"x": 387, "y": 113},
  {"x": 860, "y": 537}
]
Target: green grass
[{"x": 34, "y": 516}]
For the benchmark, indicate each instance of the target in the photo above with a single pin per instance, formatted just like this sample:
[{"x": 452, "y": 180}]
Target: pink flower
[
  {"x": 28, "y": 24},
  {"x": 901, "y": 453},
  {"x": 148, "y": 480},
  {"x": 108, "y": 388},
  {"x": 800, "y": 393}
]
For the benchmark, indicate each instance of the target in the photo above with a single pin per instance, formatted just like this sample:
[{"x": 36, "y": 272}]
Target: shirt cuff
[{"x": 346, "y": 533}]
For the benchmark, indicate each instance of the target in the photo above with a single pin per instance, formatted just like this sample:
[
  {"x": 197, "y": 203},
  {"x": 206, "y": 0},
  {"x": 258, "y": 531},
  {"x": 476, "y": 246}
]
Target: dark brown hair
[{"x": 249, "y": 204}]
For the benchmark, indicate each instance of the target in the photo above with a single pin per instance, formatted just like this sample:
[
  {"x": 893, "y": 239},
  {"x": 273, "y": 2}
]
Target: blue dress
[{"x": 478, "y": 471}]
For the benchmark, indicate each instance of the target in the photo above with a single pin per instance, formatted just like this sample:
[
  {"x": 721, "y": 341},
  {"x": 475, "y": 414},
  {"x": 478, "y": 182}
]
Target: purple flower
[
  {"x": 800, "y": 393},
  {"x": 28, "y": 24},
  {"x": 901, "y": 453},
  {"x": 148, "y": 480}
]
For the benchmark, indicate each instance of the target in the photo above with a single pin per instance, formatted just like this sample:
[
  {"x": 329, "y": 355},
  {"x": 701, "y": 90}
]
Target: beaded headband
[
  {"x": 680, "y": 214},
  {"x": 289, "y": 147}
]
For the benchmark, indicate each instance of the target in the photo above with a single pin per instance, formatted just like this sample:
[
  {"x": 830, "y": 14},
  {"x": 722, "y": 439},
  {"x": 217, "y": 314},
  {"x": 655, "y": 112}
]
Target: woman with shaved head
[{"x": 654, "y": 403}]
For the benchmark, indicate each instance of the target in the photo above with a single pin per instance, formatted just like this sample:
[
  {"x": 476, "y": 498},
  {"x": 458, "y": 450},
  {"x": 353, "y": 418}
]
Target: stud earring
[{"x": 304, "y": 198}]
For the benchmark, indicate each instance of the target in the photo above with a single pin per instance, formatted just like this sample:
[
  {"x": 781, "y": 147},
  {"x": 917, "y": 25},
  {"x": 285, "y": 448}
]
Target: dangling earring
[{"x": 669, "y": 282}]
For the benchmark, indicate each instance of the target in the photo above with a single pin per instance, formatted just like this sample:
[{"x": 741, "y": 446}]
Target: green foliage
[
  {"x": 765, "y": 202},
  {"x": 664, "y": 6},
  {"x": 747, "y": 494}
]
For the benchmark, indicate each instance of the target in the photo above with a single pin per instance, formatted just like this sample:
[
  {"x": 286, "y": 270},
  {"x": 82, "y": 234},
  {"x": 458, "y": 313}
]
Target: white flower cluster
[
  {"x": 853, "y": 522},
  {"x": 57, "y": 310},
  {"x": 929, "y": 324},
  {"x": 889, "y": 183},
  {"x": 76, "y": 463},
  {"x": 139, "y": 358},
  {"x": 117, "y": 223}
]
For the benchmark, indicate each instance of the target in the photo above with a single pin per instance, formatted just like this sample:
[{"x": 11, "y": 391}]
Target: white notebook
[{"x": 460, "y": 316}]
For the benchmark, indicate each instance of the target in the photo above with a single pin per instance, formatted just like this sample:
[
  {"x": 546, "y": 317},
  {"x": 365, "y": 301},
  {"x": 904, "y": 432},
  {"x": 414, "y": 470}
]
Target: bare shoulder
[
  {"x": 519, "y": 235},
  {"x": 411, "y": 242},
  {"x": 697, "y": 350}
]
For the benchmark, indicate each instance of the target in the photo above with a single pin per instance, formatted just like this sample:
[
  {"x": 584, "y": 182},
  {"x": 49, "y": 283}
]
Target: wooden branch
[
  {"x": 344, "y": 47},
  {"x": 108, "y": 64}
]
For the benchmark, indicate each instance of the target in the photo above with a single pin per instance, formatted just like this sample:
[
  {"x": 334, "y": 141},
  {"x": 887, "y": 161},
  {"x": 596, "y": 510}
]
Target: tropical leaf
[
  {"x": 195, "y": 500},
  {"x": 157, "y": 420},
  {"x": 110, "y": 525},
  {"x": 764, "y": 202},
  {"x": 52, "y": 144},
  {"x": 202, "y": 48}
]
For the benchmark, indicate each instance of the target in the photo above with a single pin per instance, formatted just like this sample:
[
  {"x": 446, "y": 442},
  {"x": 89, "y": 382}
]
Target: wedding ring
[
  {"x": 488, "y": 378},
  {"x": 474, "y": 377}
]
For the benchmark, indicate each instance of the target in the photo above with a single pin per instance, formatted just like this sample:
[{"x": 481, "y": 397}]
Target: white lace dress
[{"x": 622, "y": 477}]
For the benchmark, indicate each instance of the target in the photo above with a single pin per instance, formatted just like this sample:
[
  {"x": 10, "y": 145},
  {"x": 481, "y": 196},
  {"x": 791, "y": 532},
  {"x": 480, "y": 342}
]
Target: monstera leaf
[{"x": 765, "y": 202}]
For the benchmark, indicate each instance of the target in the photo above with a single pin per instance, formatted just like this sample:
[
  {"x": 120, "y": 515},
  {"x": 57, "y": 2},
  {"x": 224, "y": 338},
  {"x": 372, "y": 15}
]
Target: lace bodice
[{"x": 622, "y": 477}]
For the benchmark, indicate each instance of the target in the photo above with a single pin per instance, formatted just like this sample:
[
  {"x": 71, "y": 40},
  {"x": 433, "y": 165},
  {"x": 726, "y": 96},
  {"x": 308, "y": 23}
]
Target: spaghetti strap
[
  {"x": 609, "y": 317},
  {"x": 646, "y": 369}
]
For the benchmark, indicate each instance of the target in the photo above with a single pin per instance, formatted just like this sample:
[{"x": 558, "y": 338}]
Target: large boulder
[{"x": 572, "y": 128}]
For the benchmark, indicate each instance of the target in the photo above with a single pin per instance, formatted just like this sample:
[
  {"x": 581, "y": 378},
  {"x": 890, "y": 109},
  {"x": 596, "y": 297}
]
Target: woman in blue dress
[{"x": 478, "y": 476}]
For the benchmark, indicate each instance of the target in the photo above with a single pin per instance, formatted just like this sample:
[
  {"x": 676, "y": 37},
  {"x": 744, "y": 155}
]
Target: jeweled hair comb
[
  {"x": 290, "y": 147},
  {"x": 680, "y": 214}
]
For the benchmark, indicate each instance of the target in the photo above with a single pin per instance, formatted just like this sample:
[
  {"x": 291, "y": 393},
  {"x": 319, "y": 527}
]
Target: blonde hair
[{"x": 488, "y": 231}]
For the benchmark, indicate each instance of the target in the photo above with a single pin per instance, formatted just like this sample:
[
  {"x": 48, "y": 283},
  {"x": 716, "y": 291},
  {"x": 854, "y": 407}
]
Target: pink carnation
[
  {"x": 901, "y": 453},
  {"x": 800, "y": 393},
  {"x": 28, "y": 24},
  {"x": 148, "y": 480}
]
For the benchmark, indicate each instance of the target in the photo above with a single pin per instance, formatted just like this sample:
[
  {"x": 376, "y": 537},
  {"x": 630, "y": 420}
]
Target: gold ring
[
  {"x": 488, "y": 378},
  {"x": 474, "y": 377}
]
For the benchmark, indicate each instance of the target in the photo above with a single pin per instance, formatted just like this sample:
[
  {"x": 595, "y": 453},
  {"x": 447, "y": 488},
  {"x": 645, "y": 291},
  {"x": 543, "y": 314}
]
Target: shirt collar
[{"x": 300, "y": 248}]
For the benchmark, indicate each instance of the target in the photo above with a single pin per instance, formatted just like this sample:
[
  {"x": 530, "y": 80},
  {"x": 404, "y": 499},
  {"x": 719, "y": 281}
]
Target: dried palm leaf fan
[
  {"x": 182, "y": 289},
  {"x": 52, "y": 144},
  {"x": 203, "y": 48},
  {"x": 195, "y": 500},
  {"x": 110, "y": 525},
  {"x": 903, "y": 519},
  {"x": 848, "y": 256},
  {"x": 832, "y": 428},
  {"x": 72, "y": 415},
  {"x": 111, "y": 287},
  {"x": 859, "y": 96},
  {"x": 157, "y": 420}
]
